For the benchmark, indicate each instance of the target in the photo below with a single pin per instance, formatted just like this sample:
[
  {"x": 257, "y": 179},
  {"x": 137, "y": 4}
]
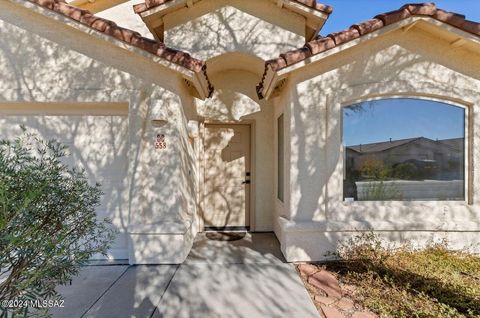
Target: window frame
[{"x": 468, "y": 145}]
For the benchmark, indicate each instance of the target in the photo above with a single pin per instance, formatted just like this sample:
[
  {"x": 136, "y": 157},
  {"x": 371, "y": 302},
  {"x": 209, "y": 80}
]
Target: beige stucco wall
[
  {"x": 124, "y": 16},
  {"x": 211, "y": 30},
  {"x": 235, "y": 37},
  {"x": 214, "y": 27},
  {"x": 49, "y": 59},
  {"x": 413, "y": 63},
  {"x": 43, "y": 60},
  {"x": 235, "y": 101},
  {"x": 96, "y": 145}
]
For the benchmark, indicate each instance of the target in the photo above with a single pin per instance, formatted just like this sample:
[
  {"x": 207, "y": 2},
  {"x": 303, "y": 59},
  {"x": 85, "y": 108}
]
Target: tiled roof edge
[
  {"x": 316, "y": 6},
  {"x": 322, "y": 44},
  {"x": 131, "y": 37},
  {"x": 149, "y": 4}
]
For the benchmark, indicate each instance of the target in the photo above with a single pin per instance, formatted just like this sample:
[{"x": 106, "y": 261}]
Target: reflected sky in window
[{"x": 377, "y": 121}]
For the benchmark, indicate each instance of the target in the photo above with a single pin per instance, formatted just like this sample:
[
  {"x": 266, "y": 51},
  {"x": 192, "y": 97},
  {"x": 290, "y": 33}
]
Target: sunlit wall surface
[{"x": 404, "y": 149}]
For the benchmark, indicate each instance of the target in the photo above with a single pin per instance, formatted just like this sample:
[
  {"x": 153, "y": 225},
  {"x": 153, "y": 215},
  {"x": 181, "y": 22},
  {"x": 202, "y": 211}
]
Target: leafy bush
[
  {"x": 48, "y": 224},
  {"x": 405, "y": 171}
]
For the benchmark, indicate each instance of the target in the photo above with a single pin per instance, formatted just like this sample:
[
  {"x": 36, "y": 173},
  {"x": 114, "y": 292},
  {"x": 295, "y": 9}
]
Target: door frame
[{"x": 201, "y": 174}]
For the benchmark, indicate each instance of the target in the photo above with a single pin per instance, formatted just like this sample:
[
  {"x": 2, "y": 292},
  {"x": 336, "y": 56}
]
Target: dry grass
[{"x": 434, "y": 282}]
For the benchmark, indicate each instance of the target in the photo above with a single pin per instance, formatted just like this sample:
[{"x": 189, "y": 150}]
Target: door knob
[{"x": 246, "y": 182}]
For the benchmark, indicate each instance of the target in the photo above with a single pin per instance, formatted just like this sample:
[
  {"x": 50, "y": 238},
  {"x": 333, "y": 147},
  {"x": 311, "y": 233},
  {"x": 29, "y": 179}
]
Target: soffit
[
  {"x": 95, "y": 6},
  {"x": 153, "y": 12}
]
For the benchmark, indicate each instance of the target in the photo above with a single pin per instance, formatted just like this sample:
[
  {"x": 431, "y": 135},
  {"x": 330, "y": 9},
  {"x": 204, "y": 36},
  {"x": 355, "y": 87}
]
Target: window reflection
[{"x": 404, "y": 149}]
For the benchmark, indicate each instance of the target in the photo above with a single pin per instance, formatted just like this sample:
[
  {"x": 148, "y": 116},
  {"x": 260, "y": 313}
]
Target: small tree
[
  {"x": 374, "y": 169},
  {"x": 48, "y": 224}
]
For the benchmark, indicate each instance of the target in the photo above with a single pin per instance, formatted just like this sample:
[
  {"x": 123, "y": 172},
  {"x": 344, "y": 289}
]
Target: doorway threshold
[{"x": 227, "y": 229}]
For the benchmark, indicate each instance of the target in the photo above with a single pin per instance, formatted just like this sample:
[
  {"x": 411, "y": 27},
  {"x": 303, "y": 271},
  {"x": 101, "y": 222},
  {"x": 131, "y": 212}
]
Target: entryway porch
[{"x": 242, "y": 278}]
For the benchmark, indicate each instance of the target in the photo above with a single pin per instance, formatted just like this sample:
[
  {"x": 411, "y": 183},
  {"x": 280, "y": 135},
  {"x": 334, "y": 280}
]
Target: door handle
[{"x": 246, "y": 182}]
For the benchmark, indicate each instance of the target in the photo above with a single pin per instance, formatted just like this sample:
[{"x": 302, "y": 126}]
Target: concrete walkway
[{"x": 244, "y": 278}]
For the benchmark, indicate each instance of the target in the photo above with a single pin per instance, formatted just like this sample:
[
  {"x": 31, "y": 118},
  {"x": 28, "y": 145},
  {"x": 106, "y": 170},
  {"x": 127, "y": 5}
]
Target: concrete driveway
[{"x": 244, "y": 278}]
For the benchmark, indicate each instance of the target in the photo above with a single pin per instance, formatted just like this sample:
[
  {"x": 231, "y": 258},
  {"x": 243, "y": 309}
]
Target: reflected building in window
[{"x": 427, "y": 165}]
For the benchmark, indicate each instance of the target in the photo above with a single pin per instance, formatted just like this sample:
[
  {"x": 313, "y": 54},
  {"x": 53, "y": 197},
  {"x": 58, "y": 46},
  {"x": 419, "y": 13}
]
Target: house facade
[{"x": 202, "y": 115}]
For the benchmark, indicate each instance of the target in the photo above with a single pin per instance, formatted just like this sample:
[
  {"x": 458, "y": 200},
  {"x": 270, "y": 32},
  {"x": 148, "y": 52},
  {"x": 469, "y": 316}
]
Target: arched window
[{"x": 403, "y": 149}]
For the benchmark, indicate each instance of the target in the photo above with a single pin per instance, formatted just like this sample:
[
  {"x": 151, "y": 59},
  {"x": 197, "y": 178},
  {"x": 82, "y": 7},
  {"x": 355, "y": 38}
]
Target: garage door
[{"x": 97, "y": 137}]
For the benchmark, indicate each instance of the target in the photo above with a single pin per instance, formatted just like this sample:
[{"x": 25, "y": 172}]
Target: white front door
[{"x": 227, "y": 176}]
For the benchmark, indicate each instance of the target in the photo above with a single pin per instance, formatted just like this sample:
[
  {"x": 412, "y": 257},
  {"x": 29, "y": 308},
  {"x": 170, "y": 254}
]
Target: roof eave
[
  {"x": 196, "y": 75},
  {"x": 96, "y": 6},
  {"x": 153, "y": 16},
  {"x": 266, "y": 87},
  {"x": 162, "y": 9},
  {"x": 270, "y": 82},
  {"x": 314, "y": 19}
]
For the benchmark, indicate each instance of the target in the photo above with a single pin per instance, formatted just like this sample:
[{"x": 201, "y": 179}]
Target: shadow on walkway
[{"x": 243, "y": 278}]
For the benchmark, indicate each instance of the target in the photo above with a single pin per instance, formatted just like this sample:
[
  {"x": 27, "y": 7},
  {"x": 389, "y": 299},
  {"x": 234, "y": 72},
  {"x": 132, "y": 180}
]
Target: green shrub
[
  {"x": 405, "y": 171},
  {"x": 48, "y": 224}
]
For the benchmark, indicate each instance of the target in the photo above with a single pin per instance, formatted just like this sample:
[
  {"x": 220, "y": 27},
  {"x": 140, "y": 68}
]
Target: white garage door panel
[{"x": 97, "y": 143}]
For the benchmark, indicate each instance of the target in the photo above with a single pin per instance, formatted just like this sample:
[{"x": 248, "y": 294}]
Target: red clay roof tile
[
  {"x": 323, "y": 44},
  {"x": 393, "y": 16},
  {"x": 139, "y": 8},
  {"x": 421, "y": 9},
  {"x": 46, "y": 3},
  {"x": 275, "y": 64},
  {"x": 471, "y": 26},
  {"x": 295, "y": 55},
  {"x": 344, "y": 36},
  {"x": 452, "y": 18},
  {"x": 148, "y": 4},
  {"x": 153, "y": 3},
  {"x": 315, "y": 5},
  {"x": 316, "y": 46},
  {"x": 131, "y": 37},
  {"x": 278, "y": 63},
  {"x": 368, "y": 26}
]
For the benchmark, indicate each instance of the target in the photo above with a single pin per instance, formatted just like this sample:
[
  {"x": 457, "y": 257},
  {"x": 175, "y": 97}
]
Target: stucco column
[{"x": 308, "y": 153}]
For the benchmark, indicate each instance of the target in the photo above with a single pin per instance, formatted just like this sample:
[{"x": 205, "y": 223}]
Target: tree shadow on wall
[
  {"x": 38, "y": 71},
  {"x": 381, "y": 69},
  {"x": 233, "y": 28}
]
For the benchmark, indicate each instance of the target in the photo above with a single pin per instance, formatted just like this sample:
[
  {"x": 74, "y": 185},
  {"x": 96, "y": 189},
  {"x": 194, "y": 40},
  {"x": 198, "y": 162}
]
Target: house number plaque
[{"x": 160, "y": 142}]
